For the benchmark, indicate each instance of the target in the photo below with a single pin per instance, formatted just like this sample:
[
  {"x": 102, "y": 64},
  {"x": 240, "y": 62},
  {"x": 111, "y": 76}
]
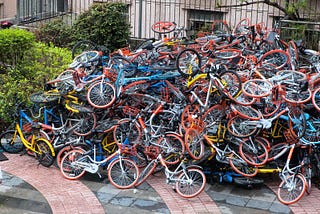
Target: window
[{"x": 202, "y": 19}]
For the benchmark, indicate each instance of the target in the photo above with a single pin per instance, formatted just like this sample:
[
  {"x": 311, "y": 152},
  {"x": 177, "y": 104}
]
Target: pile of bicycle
[{"x": 239, "y": 104}]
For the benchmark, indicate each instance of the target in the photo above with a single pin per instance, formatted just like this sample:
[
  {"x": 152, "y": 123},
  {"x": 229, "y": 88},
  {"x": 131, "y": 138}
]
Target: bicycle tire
[
  {"x": 172, "y": 148},
  {"x": 83, "y": 45},
  {"x": 67, "y": 169},
  {"x": 85, "y": 122},
  {"x": 277, "y": 150},
  {"x": 306, "y": 171},
  {"x": 127, "y": 130},
  {"x": 10, "y": 145},
  {"x": 194, "y": 144},
  {"x": 231, "y": 82},
  {"x": 123, "y": 173},
  {"x": 241, "y": 167},
  {"x": 190, "y": 183},
  {"x": 293, "y": 195},
  {"x": 316, "y": 99},
  {"x": 163, "y": 27},
  {"x": 256, "y": 88},
  {"x": 63, "y": 151},
  {"x": 214, "y": 115},
  {"x": 274, "y": 60},
  {"x": 228, "y": 53},
  {"x": 241, "y": 27},
  {"x": 188, "y": 62},
  {"x": 256, "y": 151},
  {"x": 146, "y": 172},
  {"x": 247, "y": 112},
  {"x": 238, "y": 127},
  {"x": 44, "y": 152},
  {"x": 248, "y": 182},
  {"x": 294, "y": 96},
  {"x": 101, "y": 95},
  {"x": 243, "y": 99}
]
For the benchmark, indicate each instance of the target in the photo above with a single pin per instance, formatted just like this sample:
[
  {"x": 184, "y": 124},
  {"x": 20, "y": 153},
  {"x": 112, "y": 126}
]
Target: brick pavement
[
  {"x": 73, "y": 196},
  {"x": 63, "y": 196}
]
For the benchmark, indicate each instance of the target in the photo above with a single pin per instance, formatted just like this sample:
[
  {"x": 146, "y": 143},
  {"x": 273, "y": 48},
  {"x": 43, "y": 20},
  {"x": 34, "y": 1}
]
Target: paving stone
[
  {"x": 123, "y": 201},
  {"x": 279, "y": 208},
  {"x": 235, "y": 200},
  {"x": 150, "y": 205},
  {"x": 257, "y": 204},
  {"x": 217, "y": 196}
]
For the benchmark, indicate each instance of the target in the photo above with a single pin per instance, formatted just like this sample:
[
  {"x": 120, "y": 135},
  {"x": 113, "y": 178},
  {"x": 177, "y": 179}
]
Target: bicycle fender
[
  {"x": 194, "y": 166},
  {"x": 48, "y": 143}
]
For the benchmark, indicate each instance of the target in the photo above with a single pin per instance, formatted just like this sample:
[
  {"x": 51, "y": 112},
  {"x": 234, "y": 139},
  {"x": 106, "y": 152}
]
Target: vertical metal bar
[{"x": 140, "y": 19}]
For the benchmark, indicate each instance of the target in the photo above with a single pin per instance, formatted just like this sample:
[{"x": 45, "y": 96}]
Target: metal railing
[{"x": 194, "y": 15}]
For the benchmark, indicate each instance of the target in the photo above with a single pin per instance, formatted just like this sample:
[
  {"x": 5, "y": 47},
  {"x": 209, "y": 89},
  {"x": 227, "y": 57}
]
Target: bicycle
[
  {"x": 189, "y": 180},
  {"x": 122, "y": 172}
]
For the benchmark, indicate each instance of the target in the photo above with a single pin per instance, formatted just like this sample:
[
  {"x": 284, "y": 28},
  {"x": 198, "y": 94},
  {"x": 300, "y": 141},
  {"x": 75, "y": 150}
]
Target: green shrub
[
  {"x": 14, "y": 43},
  {"x": 57, "y": 32},
  {"x": 41, "y": 62},
  {"x": 105, "y": 24}
]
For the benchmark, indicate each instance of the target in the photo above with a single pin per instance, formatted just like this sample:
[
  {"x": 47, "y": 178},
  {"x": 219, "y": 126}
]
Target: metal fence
[{"x": 194, "y": 15}]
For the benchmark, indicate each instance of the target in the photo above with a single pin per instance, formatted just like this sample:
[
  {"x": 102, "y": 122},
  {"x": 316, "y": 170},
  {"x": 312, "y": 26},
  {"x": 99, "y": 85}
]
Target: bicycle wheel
[
  {"x": 172, "y": 148},
  {"x": 123, "y": 173},
  {"x": 11, "y": 142},
  {"x": 165, "y": 121},
  {"x": 248, "y": 182},
  {"x": 246, "y": 112},
  {"x": 81, "y": 46},
  {"x": 146, "y": 172},
  {"x": 241, "y": 167},
  {"x": 291, "y": 189},
  {"x": 44, "y": 152},
  {"x": 257, "y": 88},
  {"x": 228, "y": 53},
  {"x": 294, "y": 95},
  {"x": 306, "y": 171},
  {"x": 101, "y": 95},
  {"x": 231, "y": 83},
  {"x": 277, "y": 150},
  {"x": 188, "y": 62},
  {"x": 214, "y": 115},
  {"x": 163, "y": 27},
  {"x": 253, "y": 151},
  {"x": 45, "y": 97},
  {"x": 242, "y": 27},
  {"x": 316, "y": 99},
  {"x": 274, "y": 60},
  {"x": 297, "y": 122},
  {"x": 84, "y": 122},
  {"x": 243, "y": 99},
  {"x": 190, "y": 112},
  {"x": 63, "y": 151},
  {"x": 127, "y": 131},
  {"x": 241, "y": 127},
  {"x": 194, "y": 143},
  {"x": 70, "y": 166},
  {"x": 191, "y": 183}
]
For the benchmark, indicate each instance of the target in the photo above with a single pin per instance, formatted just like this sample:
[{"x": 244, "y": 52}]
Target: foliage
[
  {"x": 14, "y": 43},
  {"x": 57, "y": 32},
  {"x": 39, "y": 62},
  {"x": 105, "y": 24}
]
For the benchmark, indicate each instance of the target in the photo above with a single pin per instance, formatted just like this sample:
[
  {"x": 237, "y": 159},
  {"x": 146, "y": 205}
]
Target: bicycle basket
[
  {"x": 152, "y": 151},
  {"x": 127, "y": 149}
]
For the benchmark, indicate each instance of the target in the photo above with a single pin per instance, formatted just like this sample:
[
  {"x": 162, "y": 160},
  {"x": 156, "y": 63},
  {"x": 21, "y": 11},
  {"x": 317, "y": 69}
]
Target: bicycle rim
[
  {"x": 123, "y": 173},
  {"x": 291, "y": 189},
  {"x": 191, "y": 183},
  {"x": 69, "y": 167}
]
